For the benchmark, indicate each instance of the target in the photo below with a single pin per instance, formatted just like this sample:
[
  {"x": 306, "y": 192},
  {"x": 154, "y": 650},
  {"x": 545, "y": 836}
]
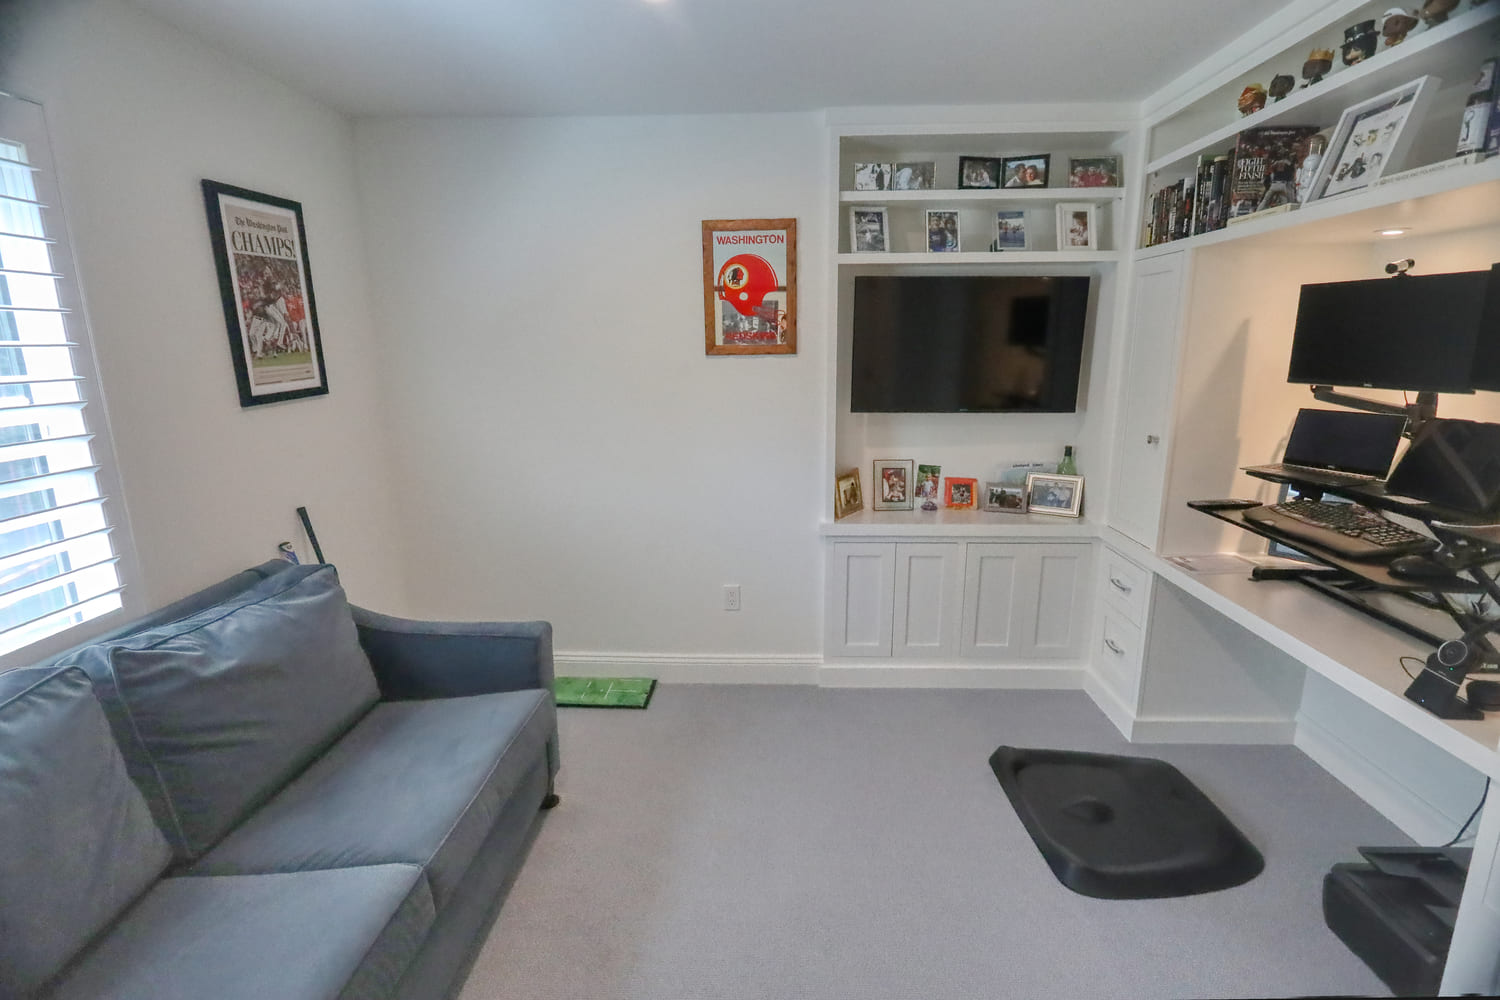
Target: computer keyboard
[{"x": 1350, "y": 530}]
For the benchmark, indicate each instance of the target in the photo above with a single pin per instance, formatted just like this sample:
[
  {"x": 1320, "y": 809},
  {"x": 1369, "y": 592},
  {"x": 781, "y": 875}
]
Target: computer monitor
[{"x": 1452, "y": 463}]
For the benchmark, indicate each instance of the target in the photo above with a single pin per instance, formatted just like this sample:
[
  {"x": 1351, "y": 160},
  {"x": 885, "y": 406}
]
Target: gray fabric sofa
[{"x": 262, "y": 792}]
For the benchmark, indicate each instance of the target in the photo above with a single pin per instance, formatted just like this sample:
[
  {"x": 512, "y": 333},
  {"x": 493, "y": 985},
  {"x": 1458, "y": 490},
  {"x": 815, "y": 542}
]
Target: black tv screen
[
  {"x": 977, "y": 344},
  {"x": 1410, "y": 332}
]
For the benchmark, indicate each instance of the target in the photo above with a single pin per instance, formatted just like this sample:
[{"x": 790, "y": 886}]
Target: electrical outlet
[{"x": 731, "y": 597}]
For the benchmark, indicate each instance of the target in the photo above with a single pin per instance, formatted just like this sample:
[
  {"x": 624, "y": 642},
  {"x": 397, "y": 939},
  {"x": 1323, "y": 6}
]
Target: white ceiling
[{"x": 565, "y": 57}]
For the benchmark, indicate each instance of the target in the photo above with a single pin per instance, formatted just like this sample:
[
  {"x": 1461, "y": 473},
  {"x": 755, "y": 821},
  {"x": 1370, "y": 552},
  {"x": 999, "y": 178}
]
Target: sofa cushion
[
  {"x": 77, "y": 843},
  {"x": 420, "y": 782},
  {"x": 347, "y": 933},
  {"x": 218, "y": 710}
]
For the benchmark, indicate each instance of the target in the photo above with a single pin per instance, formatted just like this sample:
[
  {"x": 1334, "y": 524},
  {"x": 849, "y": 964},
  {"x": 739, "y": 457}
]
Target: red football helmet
[{"x": 744, "y": 282}]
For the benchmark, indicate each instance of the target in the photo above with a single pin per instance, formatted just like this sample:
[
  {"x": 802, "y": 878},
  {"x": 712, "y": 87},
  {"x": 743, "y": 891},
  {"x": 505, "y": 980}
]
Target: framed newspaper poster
[
  {"x": 260, "y": 247},
  {"x": 750, "y": 286}
]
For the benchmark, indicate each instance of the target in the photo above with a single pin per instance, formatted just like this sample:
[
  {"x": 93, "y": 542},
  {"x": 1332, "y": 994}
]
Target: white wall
[
  {"x": 139, "y": 112},
  {"x": 566, "y": 450}
]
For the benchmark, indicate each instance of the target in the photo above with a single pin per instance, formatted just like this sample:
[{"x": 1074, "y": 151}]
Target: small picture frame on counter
[
  {"x": 1005, "y": 498},
  {"x": 1054, "y": 494}
]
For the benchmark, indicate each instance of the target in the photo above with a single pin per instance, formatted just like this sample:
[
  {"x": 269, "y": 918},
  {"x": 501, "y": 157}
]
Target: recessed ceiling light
[{"x": 1392, "y": 232}]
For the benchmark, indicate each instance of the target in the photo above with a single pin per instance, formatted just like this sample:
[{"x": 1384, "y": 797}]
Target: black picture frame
[
  {"x": 978, "y": 172},
  {"x": 1043, "y": 161},
  {"x": 265, "y": 284}
]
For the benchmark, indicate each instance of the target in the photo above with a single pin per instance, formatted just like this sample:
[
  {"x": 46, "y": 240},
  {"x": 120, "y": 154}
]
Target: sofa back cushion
[
  {"x": 77, "y": 842},
  {"x": 217, "y": 711}
]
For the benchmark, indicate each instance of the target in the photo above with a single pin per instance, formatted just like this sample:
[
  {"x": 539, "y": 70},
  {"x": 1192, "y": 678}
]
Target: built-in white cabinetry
[
  {"x": 1023, "y": 603},
  {"x": 1119, "y": 641}
]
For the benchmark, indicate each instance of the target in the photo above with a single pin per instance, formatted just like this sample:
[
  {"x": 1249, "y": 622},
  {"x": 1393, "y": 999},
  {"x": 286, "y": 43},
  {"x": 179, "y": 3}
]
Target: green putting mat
[{"x": 604, "y": 692}]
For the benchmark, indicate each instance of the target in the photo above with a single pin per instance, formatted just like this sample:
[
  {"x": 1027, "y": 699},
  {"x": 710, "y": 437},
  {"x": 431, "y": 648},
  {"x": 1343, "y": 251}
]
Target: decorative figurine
[
  {"x": 1319, "y": 62},
  {"x": 1437, "y": 11},
  {"x": 1308, "y": 169},
  {"x": 1359, "y": 42},
  {"x": 1397, "y": 23},
  {"x": 1252, "y": 99},
  {"x": 1281, "y": 85}
]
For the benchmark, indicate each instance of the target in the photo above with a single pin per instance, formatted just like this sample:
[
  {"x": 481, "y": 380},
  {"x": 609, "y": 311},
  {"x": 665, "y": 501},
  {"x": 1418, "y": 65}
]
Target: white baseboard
[
  {"x": 1108, "y": 702},
  {"x": 1237, "y": 732},
  {"x": 888, "y": 674},
  {"x": 1418, "y": 819},
  {"x": 680, "y": 668}
]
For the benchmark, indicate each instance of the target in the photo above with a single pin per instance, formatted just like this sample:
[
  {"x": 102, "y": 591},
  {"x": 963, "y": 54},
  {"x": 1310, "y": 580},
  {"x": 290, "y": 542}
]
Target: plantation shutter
[{"x": 58, "y": 566}]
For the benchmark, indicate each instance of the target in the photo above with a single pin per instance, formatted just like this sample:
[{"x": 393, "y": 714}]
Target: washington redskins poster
[{"x": 750, "y": 286}]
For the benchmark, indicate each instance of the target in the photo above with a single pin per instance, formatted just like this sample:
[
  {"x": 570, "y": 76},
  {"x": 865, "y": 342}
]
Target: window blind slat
[
  {"x": 28, "y": 380},
  {"x": 93, "y": 607},
  {"x": 33, "y": 309},
  {"x": 49, "y": 480},
  {"x": 22, "y": 201},
  {"x": 45, "y": 515},
  {"x": 29, "y": 274},
  {"x": 18, "y": 594},
  {"x": 9, "y": 235},
  {"x": 13, "y": 416},
  {"x": 51, "y": 548}
]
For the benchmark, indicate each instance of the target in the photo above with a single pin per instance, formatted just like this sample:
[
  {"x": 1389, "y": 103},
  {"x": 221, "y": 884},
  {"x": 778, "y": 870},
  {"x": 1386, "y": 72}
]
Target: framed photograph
[
  {"x": 895, "y": 484},
  {"x": 1006, "y": 498},
  {"x": 929, "y": 481},
  {"x": 978, "y": 172},
  {"x": 750, "y": 286},
  {"x": 1077, "y": 225},
  {"x": 960, "y": 493},
  {"x": 872, "y": 176},
  {"x": 265, "y": 282},
  {"x": 1054, "y": 494},
  {"x": 869, "y": 229},
  {"x": 912, "y": 176},
  {"x": 847, "y": 496},
  {"x": 942, "y": 230},
  {"x": 1010, "y": 231},
  {"x": 1093, "y": 171},
  {"x": 1025, "y": 171},
  {"x": 1370, "y": 137}
]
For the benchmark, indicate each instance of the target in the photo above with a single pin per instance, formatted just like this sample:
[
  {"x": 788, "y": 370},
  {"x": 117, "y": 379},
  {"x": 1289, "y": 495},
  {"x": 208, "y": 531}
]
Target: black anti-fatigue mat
[{"x": 1116, "y": 827}]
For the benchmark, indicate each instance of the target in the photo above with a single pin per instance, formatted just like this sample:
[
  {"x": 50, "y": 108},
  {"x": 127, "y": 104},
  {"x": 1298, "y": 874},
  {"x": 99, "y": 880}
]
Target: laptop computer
[
  {"x": 1339, "y": 447},
  {"x": 1452, "y": 463}
]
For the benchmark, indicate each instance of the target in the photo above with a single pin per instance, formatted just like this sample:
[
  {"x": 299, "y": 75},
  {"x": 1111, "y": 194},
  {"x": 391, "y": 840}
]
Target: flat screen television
[
  {"x": 967, "y": 344},
  {"x": 1422, "y": 332}
]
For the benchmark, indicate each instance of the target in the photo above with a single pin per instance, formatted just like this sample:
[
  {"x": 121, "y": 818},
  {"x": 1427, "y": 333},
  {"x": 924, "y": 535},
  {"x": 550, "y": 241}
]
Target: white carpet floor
[{"x": 780, "y": 842}]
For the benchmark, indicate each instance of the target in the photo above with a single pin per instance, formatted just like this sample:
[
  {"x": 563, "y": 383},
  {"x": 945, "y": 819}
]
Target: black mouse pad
[{"x": 1117, "y": 827}]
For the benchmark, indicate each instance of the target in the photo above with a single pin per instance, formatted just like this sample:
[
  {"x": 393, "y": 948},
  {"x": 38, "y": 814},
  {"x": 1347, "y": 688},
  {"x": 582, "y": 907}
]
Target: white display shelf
[
  {"x": 955, "y": 523},
  {"x": 998, "y": 196},
  {"x": 1426, "y": 53},
  {"x": 876, "y": 259},
  {"x": 1442, "y": 201}
]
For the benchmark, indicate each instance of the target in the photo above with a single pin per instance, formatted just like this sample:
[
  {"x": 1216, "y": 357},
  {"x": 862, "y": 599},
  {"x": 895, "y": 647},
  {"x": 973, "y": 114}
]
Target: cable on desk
[
  {"x": 1404, "y": 667},
  {"x": 1459, "y": 835}
]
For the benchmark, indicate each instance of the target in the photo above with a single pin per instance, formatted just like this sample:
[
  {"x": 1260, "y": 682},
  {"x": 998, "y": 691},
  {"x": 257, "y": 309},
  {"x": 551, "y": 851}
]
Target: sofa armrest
[{"x": 426, "y": 659}]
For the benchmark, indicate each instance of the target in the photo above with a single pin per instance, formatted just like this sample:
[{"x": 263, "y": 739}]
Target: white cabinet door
[
  {"x": 928, "y": 600},
  {"x": 861, "y": 582},
  {"x": 1025, "y": 602},
  {"x": 1156, "y": 310}
]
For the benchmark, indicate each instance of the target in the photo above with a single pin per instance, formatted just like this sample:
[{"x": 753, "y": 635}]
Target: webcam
[{"x": 1400, "y": 267}]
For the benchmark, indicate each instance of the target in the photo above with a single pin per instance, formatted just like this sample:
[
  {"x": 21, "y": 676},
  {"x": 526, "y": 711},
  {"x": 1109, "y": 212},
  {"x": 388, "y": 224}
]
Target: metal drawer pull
[
  {"x": 1113, "y": 648},
  {"x": 1152, "y": 438},
  {"x": 1123, "y": 588}
]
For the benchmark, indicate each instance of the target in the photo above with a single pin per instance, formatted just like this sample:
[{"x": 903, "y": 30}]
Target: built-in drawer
[
  {"x": 1118, "y": 655},
  {"x": 1126, "y": 586}
]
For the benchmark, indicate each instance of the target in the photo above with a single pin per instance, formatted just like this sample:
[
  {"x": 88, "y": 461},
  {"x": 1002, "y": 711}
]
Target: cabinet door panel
[
  {"x": 991, "y": 590},
  {"x": 861, "y": 583},
  {"x": 1059, "y": 597},
  {"x": 928, "y": 597}
]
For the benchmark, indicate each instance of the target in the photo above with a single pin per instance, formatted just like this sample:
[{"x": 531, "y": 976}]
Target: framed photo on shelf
[
  {"x": 894, "y": 484},
  {"x": 750, "y": 286},
  {"x": 960, "y": 493},
  {"x": 872, "y": 176},
  {"x": 978, "y": 172},
  {"x": 1077, "y": 225},
  {"x": 847, "y": 496},
  {"x": 1025, "y": 171},
  {"x": 265, "y": 283},
  {"x": 1054, "y": 494},
  {"x": 1370, "y": 137},
  {"x": 915, "y": 176},
  {"x": 1093, "y": 171},
  {"x": 869, "y": 229},
  {"x": 929, "y": 480},
  {"x": 1005, "y": 498},
  {"x": 942, "y": 230},
  {"x": 1010, "y": 230}
]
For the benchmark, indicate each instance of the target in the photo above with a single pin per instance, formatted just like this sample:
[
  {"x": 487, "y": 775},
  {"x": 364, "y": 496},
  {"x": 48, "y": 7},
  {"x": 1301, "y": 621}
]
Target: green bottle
[{"x": 1067, "y": 467}]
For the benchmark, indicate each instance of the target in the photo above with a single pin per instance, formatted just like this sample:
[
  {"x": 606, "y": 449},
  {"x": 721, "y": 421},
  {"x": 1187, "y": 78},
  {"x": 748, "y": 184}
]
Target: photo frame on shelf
[
  {"x": 1054, "y": 494},
  {"x": 960, "y": 493},
  {"x": 872, "y": 176},
  {"x": 894, "y": 481},
  {"x": 942, "y": 230},
  {"x": 978, "y": 172},
  {"x": 1010, "y": 230},
  {"x": 750, "y": 286},
  {"x": 929, "y": 481},
  {"x": 1005, "y": 498},
  {"x": 1025, "y": 171},
  {"x": 847, "y": 496},
  {"x": 1370, "y": 137},
  {"x": 1093, "y": 171},
  {"x": 913, "y": 176},
  {"x": 1077, "y": 225},
  {"x": 265, "y": 284},
  {"x": 869, "y": 229}
]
